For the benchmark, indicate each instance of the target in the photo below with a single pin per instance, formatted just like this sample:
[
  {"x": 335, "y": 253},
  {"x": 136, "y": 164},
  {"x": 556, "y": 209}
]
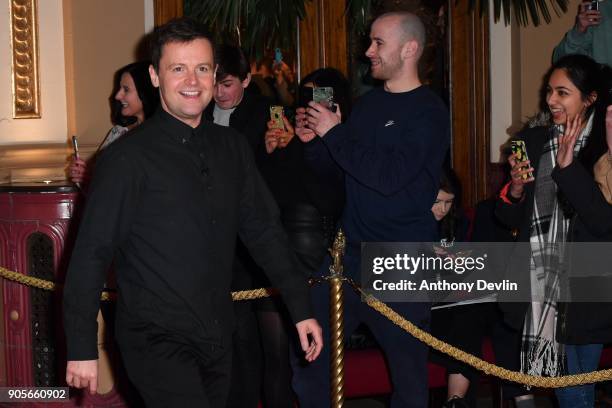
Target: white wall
[
  {"x": 536, "y": 47},
  {"x": 51, "y": 127},
  {"x": 149, "y": 18},
  {"x": 502, "y": 84}
]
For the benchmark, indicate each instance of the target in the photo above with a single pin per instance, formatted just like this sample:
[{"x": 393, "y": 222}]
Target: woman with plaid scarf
[{"x": 558, "y": 197}]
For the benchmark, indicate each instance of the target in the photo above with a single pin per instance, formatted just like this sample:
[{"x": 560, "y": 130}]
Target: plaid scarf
[{"x": 541, "y": 354}]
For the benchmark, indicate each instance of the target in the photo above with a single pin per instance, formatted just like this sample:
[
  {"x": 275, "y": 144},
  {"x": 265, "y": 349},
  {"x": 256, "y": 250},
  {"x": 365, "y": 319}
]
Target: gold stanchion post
[{"x": 336, "y": 310}]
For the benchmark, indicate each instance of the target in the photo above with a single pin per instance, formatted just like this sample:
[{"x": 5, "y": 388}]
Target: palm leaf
[
  {"x": 257, "y": 25},
  {"x": 262, "y": 24},
  {"x": 522, "y": 10}
]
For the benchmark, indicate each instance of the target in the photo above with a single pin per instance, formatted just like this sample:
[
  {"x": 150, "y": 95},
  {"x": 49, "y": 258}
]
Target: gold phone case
[{"x": 276, "y": 115}]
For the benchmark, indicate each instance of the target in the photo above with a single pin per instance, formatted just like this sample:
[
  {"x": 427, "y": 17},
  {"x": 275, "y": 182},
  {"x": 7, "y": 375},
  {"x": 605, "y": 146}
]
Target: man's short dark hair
[
  {"x": 182, "y": 30},
  {"x": 231, "y": 61}
]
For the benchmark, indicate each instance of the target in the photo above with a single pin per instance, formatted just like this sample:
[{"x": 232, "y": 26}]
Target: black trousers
[
  {"x": 171, "y": 371},
  {"x": 469, "y": 325},
  {"x": 246, "y": 359}
]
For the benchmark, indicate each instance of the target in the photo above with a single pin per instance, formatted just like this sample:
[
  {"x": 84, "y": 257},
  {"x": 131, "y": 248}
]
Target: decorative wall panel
[{"x": 24, "y": 45}]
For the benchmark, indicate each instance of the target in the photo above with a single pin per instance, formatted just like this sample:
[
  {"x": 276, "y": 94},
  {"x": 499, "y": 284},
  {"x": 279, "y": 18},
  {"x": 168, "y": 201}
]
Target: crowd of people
[{"x": 197, "y": 191}]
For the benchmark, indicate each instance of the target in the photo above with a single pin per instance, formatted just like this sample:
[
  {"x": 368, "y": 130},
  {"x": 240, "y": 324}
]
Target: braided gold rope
[
  {"x": 27, "y": 280},
  {"x": 106, "y": 296},
  {"x": 254, "y": 294},
  {"x": 488, "y": 368},
  {"x": 395, "y": 318}
]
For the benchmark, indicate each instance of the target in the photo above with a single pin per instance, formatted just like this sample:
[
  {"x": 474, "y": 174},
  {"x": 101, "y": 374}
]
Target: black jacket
[
  {"x": 584, "y": 323},
  {"x": 249, "y": 118},
  {"x": 578, "y": 323},
  {"x": 517, "y": 217},
  {"x": 167, "y": 203}
]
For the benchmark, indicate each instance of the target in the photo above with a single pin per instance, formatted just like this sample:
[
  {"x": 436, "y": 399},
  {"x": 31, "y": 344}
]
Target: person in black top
[
  {"x": 167, "y": 203},
  {"x": 310, "y": 205},
  {"x": 561, "y": 203},
  {"x": 236, "y": 107}
]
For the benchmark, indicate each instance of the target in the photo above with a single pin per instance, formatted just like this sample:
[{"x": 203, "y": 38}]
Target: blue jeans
[{"x": 580, "y": 359}]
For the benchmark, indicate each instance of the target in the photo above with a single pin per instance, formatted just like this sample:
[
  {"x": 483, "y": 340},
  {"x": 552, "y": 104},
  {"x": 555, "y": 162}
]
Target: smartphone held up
[
  {"x": 520, "y": 153},
  {"x": 323, "y": 95},
  {"x": 593, "y": 6},
  {"x": 276, "y": 116}
]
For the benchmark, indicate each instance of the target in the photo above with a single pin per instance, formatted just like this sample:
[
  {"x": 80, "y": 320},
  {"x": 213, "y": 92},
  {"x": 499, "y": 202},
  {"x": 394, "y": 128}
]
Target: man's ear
[
  {"x": 246, "y": 80},
  {"x": 154, "y": 77},
  {"x": 410, "y": 49}
]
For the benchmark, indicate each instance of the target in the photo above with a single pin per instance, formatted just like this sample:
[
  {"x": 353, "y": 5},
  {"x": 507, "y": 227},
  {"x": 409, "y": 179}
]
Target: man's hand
[
  {"x": 304, "y": 133},
  {"x": 310, "y": 327},
  {"x": 320, "y": 119},
  {"x": 83, "y": 374},
  {"x": 587, "y": 18}
]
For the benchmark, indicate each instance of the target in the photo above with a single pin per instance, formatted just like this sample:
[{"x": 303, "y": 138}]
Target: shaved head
[{"x": 411, "y": 26}]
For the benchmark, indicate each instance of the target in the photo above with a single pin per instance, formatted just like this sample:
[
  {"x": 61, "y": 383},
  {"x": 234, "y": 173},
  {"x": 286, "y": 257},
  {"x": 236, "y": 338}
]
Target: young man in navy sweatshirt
[{"x": 391, "y": 150}]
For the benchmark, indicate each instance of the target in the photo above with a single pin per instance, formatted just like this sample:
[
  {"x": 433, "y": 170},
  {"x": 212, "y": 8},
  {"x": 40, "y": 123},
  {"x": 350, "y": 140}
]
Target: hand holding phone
[
  {"x": 521, "y": 171},
  {"x": 520, "y": 153},
  {"x": 588, "y": 15},
  {"x": 276, "y": 116}
]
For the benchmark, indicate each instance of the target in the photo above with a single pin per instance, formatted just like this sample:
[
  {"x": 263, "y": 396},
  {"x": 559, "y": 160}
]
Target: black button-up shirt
[{"x": 167, "y": 202}]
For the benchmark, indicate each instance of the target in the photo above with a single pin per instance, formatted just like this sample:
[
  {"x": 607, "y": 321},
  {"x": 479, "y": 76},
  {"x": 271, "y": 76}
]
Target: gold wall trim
[{"x": 24, "y": 44}]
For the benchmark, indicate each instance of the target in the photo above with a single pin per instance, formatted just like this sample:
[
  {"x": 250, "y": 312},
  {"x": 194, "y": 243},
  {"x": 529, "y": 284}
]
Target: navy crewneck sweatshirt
[{"x": 391, "y": 150}]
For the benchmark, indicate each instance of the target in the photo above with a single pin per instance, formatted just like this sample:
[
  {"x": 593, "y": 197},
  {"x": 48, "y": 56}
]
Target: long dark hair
[
  {"x": 589, "y": 77},
  {"x": 449, "y": 225},
  {"x": 335, "y": 79},
  {"x": 148, "y": 94}
]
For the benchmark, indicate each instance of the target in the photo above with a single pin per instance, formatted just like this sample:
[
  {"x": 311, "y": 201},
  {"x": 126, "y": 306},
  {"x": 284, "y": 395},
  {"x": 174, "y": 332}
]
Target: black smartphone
[
  {"x": 75, "y": 147},
  {"x": 593, "y": 6}
]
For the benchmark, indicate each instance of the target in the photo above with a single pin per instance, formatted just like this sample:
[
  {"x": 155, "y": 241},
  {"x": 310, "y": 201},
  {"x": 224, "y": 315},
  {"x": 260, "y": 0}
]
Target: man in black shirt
[{"x": 167, "y": 203}]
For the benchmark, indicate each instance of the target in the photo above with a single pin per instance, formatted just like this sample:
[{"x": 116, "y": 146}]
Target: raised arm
[
  {"x": 390, "y": 168},
  {"x": 579, "y": 40}
]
